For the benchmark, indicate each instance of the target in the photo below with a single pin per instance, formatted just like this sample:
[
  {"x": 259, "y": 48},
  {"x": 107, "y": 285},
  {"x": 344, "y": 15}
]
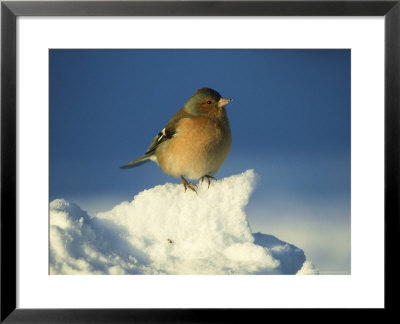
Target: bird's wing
[
  {"x": 168, "y": 131},
  {"x": 158, "y": 139}
]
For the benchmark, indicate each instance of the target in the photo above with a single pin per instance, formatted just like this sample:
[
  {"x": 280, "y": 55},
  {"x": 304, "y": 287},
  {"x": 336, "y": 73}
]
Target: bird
[{"x": 195, "y": 142}]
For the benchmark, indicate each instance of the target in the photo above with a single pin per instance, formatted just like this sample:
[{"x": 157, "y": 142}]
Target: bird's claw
[
  {"x": 189, "y": 185},
  {"x": 208, "y": 177}
]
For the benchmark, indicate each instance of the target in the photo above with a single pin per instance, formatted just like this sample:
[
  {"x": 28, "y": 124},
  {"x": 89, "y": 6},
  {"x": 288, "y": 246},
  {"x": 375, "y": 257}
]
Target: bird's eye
[{"x": 209, "y": 102}]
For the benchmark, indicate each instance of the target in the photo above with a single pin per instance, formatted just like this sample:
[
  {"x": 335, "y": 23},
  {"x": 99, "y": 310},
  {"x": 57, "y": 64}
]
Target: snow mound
[{"x": 165, "y": 230}]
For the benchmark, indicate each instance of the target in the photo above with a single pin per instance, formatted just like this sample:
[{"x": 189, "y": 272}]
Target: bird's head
[{"x": 206, "y": 101}]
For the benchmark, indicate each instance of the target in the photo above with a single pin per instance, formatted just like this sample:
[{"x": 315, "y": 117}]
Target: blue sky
[{"x": 290, "y": 121}]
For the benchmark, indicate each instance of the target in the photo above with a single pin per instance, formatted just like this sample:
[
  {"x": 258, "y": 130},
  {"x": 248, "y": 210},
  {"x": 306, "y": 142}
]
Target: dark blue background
[{"x": 290, "y": 117}]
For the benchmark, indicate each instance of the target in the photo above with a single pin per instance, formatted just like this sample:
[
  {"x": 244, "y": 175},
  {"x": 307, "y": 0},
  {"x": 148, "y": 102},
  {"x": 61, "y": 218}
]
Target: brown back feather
[{"x": 169, "y": 130}]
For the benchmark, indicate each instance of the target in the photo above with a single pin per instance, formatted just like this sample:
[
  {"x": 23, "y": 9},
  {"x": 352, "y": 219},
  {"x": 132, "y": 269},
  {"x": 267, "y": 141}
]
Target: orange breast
[{"x": 199, "y": 147}]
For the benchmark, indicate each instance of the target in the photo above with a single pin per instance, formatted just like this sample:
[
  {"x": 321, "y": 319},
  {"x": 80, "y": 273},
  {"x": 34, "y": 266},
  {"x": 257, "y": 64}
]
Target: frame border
[{"x": 10, "y": 10}]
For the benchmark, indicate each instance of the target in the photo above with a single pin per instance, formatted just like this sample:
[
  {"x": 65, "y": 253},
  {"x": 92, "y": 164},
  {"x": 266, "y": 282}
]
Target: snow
[{"x": 165, "y": 230}]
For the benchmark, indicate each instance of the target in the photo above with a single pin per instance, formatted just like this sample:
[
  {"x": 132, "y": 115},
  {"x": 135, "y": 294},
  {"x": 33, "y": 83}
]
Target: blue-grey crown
[{"x": 207, "y": 92}]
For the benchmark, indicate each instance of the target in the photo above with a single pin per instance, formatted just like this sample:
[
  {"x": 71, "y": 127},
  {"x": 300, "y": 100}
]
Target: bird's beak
[{"x": 223, "y": 101}]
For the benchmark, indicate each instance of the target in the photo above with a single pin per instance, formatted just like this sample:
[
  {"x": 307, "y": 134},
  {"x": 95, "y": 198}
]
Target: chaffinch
[{"x": 195, "y": 142}]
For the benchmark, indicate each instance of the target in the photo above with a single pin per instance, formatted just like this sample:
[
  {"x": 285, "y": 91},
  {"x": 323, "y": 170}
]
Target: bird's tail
[{"x": 143, "y": 159}]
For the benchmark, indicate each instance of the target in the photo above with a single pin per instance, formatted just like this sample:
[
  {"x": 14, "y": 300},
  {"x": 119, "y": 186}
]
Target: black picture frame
[{"x": 10, "y": 10}]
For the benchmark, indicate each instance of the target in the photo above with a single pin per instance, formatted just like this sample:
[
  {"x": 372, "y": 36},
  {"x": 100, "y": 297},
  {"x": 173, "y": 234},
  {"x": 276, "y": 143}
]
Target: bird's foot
[
  {"x": 209, "y": 178},
  {"x": 189, "y": 185}
]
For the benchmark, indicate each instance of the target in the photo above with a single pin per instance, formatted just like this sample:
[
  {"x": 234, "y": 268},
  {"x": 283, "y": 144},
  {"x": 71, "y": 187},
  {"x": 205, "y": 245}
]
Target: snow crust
[{"x": 165, "y": 230}]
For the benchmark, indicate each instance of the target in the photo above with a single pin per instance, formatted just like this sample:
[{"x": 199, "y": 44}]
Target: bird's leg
[
  {"x": 208, "y": 179},
  {"x": 188, "y": 184}
]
